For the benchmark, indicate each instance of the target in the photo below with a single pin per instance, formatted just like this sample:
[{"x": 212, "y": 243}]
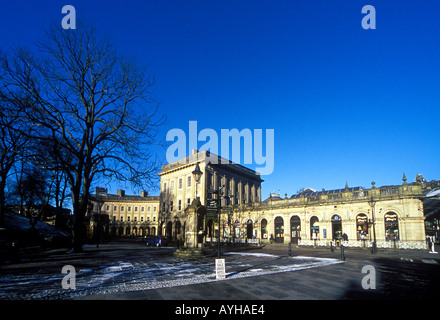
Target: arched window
[
  {"x": 279, "y": 230},
  {"x": 264, "y": 229},
  {"x": 249, "y": 229},
  {"x": 391, "y": 226},
  {"x": 336, "y": 227},
  {"x": 314, "y": 228},
  {"x": 362, "y": 226},
  {"x": 295, "y": 229}
]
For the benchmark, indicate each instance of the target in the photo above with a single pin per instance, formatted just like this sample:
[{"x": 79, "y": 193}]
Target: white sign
[{"x": 220, "y": 269}]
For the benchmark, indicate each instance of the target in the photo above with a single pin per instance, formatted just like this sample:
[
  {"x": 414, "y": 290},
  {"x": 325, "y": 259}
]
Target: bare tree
[
  {"x": 11, "y": 145},
  {"x": 32, "y": 190},
  {"x": 94, "y": 110}
]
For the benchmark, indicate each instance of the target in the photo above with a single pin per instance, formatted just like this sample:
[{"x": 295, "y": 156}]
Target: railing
[
  {"x": 389, "y": 190},
  {"x": 342, "y": 195},
  {"x": 234, "y": 240},
  {"x": 365, "y": 244}
]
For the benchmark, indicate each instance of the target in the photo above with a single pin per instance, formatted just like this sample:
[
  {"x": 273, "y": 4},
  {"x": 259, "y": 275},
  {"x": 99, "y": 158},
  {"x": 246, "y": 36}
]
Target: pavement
[{"x": 132, "y": 271}]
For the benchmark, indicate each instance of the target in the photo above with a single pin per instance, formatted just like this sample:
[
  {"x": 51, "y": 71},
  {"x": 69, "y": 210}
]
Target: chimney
[
  {"x": 99, "y": 191},
  {"x": 144, "y": 194},
  {"x": 121, "y": 193}
]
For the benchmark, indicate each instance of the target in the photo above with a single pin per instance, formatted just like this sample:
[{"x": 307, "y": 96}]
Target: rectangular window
[
  {"x": 180, "y": 183},
  {"x": 189, "y": 181},
  {"x": 171, "y": 205},
  {"x": 180, "y": 205}
]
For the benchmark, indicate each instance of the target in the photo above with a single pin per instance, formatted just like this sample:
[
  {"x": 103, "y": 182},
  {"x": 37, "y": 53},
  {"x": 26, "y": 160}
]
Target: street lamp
[
  {"x": 197, "y": 174},
  {"x": 372, "y": 204}
]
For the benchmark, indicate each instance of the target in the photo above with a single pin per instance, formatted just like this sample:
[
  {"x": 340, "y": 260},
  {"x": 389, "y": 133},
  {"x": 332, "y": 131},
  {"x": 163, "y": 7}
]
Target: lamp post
[
  {"x": 216, "y": 204},
  {"x": 219, "y": 199},
  {"x": 372, "y": 204},
  {"x": 197, "y": 174}
]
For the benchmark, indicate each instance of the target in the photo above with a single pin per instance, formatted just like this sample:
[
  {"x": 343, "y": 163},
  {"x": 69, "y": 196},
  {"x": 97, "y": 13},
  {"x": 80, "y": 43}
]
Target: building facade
[
  {"x": 179, "y": 187},
  {"x": 388, "y": 216},
  {"x": 118, "y": 215}
]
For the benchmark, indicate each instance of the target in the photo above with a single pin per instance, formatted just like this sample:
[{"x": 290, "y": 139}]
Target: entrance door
[
  {"x": 249, "y": 229},
  {"x": 279, "y": 230},
  {"x": 264, "y": 229},
  {"x": 337, "y": 228},
  {"x": 295, "y": 229},
  {"x": 169, "y": 230}
]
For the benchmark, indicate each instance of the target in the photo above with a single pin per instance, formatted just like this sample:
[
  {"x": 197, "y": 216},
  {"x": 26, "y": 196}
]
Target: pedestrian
[
  {"x": 428, "y": 242},
  {"x": 345, "y": 237},
  {"x": 432, "y": 240}
]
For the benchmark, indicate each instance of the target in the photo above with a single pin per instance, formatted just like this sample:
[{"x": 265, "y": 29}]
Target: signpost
[{"x": 214, "y": 207}]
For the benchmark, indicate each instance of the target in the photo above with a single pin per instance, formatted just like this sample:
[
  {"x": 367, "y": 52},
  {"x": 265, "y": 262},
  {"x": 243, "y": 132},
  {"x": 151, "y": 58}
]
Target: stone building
[
  {"x": 123, "y": 215},
  {"x": 390, "y": 216},
  {"x": 387, "y": 216},
  {"x": 181, "y": 190}
]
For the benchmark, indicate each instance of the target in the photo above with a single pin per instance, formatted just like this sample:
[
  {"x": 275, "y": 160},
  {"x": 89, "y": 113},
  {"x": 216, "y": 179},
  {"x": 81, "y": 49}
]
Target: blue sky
[{"x": 346, "y": 104}]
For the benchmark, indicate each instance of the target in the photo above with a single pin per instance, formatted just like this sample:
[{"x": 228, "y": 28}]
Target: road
[{"x": 130, "y": 270}]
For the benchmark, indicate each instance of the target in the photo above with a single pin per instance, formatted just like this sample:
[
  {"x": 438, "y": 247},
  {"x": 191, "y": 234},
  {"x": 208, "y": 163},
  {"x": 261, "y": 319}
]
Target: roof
[
  {"x": 212, "y": 159},
  {"x": 116, "y": 197},
  {"x": 431, "y": 207},
  {"x": 19, "y": 223},
  {"x": 308, "y": 193},
  {"x": 433, "y": 193}
]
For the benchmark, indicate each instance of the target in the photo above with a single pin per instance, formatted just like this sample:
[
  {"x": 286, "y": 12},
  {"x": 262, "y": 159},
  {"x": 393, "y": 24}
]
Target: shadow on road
[{"x": 399, "y": 280}]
